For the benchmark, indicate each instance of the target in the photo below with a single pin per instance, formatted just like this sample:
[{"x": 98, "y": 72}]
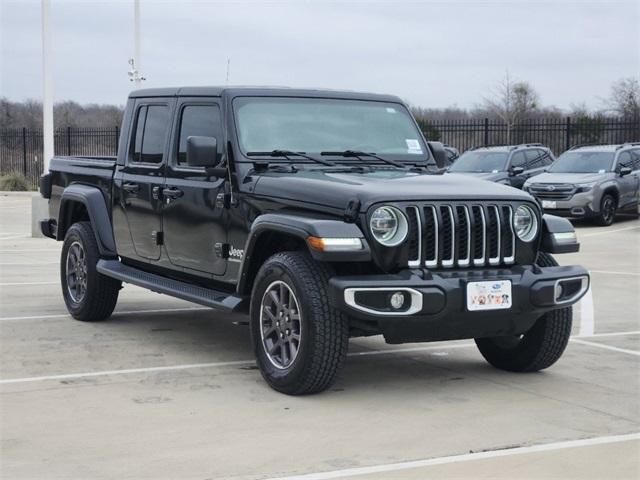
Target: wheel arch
[
  {"x": 85, "y": 203},
  {"x": 273, "y": 233}
]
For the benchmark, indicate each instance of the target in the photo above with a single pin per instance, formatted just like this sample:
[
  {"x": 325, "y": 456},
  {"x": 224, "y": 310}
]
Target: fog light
[{"x": 397, "y": 300}]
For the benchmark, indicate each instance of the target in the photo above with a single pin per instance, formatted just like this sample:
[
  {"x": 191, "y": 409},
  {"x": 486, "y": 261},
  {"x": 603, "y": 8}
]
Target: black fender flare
[
  {"x": 93, "y": 200},
  {"x": 302, "y": 227}
]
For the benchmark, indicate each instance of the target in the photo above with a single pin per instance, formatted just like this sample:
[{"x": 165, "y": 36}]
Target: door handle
[
  {"x": 131, "y": 187},
  {"x": 172, "y": 193}
]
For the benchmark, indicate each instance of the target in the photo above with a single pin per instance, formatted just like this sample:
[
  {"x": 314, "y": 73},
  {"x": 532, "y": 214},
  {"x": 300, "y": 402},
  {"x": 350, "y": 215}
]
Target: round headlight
[
  {"x": 388, "y": 226},
  {"x": 525, "y": 223}
]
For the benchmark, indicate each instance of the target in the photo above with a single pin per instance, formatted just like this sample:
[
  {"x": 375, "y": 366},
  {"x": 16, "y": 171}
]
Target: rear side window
[
  {"x": 198, "y": 121},
  {"x": 635, "y": 158},
  {"x": 152, "y": 123}
]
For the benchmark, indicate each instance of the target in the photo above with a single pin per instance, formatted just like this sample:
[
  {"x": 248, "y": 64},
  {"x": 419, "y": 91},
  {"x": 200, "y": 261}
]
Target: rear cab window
[{"x": 150, "y": 134}]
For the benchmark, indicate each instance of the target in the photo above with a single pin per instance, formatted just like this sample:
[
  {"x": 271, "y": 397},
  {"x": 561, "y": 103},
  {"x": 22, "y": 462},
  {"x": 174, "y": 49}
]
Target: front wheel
[
  {"x": 608, "y": 207},
  {"x": 536, "y": 349},
  {"x": 89, "y": 295},
  {"x": 299, "y": 339}
]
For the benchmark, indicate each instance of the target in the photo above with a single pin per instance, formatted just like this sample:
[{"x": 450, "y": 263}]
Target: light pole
[
  {"x": 47, "y": 87},
  {"x": 134, "y": 73}
]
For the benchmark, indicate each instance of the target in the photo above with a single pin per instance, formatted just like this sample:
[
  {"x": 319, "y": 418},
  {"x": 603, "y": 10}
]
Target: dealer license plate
[
  {"x": 548, "y": 204},
  {"x": 493, "y": 295}
]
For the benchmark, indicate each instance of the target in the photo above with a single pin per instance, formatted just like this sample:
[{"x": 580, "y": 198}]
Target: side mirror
[
  {"x": 513, "y": 171},
  {"x": 202, "y": 152},
  {"x": 439, "y": 154},
  {"x": 625, "y": 171}
]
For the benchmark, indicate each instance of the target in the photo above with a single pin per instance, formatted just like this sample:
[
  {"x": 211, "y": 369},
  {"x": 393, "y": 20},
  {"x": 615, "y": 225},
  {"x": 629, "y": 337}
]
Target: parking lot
[{"x": 166, "y": 389}]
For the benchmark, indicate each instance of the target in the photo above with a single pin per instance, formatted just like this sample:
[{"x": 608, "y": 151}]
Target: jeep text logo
[{"x": 236, "y": 252}]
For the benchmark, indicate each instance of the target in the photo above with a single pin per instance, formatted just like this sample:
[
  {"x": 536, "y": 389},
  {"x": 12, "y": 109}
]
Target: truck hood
[
  {"x": 336, "y": 189},
  {"x": 550, "y": 177}
]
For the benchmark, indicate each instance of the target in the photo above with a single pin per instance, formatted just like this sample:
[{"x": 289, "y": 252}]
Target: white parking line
[
  {"x": 29, "y": 250},
  {"x": 24, "y": 264},
  {"x": 388, "y": 351},
  {"x": 609, "y": 272},
  {"x": 66, "y": 376},
  {"x": 121, "y": 312},
  {"x": 586, "y": 314},
  {"x": 612, "y": 334},
  {"x": 606, "y": 347},
  {"x": 11, "y": 284},
  {"x": 394, "y": 467},
  {"x": 606, "y": 232}
]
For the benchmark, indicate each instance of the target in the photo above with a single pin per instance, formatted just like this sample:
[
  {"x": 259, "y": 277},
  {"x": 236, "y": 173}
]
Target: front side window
[
  {"x": 583, "y": 162},
  {"x": 519, "y": 159},
  {"x": 152, "y": 123},
  {"x": 480, "y": 162},
  {"x": 198, "y": 121},
  {"x": 316, "y": 125}
]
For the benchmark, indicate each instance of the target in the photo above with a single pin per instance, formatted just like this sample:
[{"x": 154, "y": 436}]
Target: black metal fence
[
  {"x": 21, "y": 149},
  {"x": 557, "y": 134}
]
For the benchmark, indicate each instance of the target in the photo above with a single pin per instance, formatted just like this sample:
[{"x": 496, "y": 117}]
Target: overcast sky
[{"x": 433, "y": 54}]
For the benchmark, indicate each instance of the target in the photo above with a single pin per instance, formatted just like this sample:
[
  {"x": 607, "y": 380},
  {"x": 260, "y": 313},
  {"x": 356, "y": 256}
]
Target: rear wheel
[
  {"x": 299, "y": 339},
  {"x": 89, "y": 295},
  {"x": 608, "y": 207},
  {"x": 536, "y": 349}
]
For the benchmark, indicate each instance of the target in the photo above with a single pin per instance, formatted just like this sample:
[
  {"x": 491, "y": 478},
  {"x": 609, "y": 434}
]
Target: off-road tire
[
  {"x": 606, "y": 216},
  {"x": 538, "y": 348},
  {"x": 101, "y": 293},
  {"x": 324, "y": 330}
]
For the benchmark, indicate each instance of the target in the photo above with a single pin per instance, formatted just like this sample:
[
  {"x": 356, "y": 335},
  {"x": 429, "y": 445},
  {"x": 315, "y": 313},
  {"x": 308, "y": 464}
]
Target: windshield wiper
[
  {"x": 288, "y": 153},
  {"x": 358, "y": 154}
]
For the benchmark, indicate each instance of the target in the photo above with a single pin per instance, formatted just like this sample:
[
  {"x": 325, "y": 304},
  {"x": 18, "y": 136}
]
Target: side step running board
[{"x": 156, "y": 283}]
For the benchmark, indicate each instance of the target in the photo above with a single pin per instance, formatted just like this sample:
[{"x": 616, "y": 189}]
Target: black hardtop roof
[{"x": 261, "y": 92}]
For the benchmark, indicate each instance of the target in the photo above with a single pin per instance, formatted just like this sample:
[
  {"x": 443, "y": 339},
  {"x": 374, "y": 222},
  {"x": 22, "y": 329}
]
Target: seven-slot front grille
[
  {"x": 552, "y": 191},
  {"x": 452, "y": 235}
]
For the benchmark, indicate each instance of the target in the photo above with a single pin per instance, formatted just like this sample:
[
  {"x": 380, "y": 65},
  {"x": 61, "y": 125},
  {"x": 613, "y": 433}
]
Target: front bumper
[
  {"x": 580, "y": 205},
  {"x": 438, "y": 309}
]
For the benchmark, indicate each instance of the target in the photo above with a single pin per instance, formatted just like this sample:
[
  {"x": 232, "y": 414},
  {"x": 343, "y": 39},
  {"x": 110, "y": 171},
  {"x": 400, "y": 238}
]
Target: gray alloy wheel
[
  {"x": 76, "y": 272},
  {"x": 280, "y": 324},
  {"x": 608, "y": 211}
]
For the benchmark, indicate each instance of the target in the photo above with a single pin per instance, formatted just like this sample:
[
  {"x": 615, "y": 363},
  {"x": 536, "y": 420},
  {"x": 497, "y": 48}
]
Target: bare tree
[
  {"x": 624, "y": 99},
  {"x": 511, "y": 101}
]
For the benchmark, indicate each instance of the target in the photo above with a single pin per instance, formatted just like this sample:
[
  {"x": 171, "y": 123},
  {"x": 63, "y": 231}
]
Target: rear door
[
  {"x": 194, "y": 220},
  {"x": 141, "y": 178},
  {"x": 628, "y": 185}
]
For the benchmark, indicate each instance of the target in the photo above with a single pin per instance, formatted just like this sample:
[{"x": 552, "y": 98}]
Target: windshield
[
  {"x": 583, "y": 162},
  {"x": 480, "y": 162},
  {"x": 315, "y": 125}
]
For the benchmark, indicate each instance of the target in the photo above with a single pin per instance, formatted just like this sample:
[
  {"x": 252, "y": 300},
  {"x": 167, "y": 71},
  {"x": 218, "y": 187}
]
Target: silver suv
[{"x": 591, "y": 181}]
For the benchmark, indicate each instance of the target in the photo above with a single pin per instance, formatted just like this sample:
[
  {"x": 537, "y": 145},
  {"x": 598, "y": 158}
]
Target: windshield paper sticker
[
  {"x": 391, "y": 110},
  {"x": 413, "y": 146}
]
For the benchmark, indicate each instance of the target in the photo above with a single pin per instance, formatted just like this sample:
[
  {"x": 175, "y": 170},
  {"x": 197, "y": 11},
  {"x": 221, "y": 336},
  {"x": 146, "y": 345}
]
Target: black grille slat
[
  {"x": 414, "y": 235},
  {"x": 507, "y": 233},
  {"x": 478, "y": 233},
  {"x": 430, "y": 236},
  {"x": 447, "y": 233},
  {"x": 462, "y": 234},
  {"x": 493, "y": 236}
]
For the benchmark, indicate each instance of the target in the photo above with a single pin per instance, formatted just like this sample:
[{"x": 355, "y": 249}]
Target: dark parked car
[
  {"x": 591, "y": 181},
  {"x": 508, "y": 164},
  {"x": 315, "y": 213}
]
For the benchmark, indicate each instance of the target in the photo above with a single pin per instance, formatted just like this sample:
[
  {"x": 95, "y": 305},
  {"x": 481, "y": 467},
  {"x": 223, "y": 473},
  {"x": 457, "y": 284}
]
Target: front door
[
  {"x": 194, "y": 221},
  {"x": 139, "y": 182}
]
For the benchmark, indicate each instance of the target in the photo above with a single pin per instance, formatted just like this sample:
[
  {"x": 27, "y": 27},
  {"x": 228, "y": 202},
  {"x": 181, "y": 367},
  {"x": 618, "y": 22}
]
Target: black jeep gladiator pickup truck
[{"x": 315, "y": 212}]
